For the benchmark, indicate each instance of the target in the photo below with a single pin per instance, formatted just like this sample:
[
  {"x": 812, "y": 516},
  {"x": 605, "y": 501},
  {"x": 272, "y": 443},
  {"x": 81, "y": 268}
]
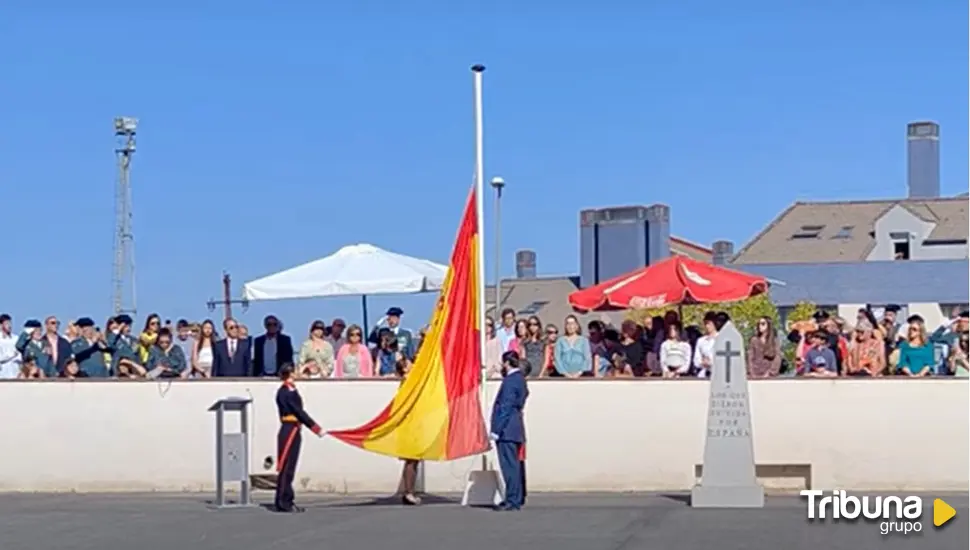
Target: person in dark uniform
[{"x": 292, "y": 419}]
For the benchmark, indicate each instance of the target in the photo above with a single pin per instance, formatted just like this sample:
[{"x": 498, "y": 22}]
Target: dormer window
[
  {"x": 808, "y": 232},
  {"x": 845, "y": 232}
]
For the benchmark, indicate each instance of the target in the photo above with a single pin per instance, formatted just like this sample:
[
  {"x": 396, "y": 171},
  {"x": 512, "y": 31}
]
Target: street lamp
[
  {"x": 125, "y": 125},
  {"x": 498, "y": 183}
]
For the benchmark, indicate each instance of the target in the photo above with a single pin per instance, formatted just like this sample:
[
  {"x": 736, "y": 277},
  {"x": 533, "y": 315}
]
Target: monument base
[
  {"x": 739, "y": 496},
  {"x": 482, "y": 488}
]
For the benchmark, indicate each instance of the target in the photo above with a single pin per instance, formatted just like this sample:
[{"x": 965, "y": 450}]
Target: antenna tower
[{"x": 123, "y": 274}]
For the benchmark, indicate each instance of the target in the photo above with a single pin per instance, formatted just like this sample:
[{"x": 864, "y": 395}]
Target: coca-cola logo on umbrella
[{"x": 646, "y": 302}]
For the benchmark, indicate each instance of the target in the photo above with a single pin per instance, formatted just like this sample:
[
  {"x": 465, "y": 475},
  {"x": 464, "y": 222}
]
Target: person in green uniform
[{"x": 89, "y": 350}]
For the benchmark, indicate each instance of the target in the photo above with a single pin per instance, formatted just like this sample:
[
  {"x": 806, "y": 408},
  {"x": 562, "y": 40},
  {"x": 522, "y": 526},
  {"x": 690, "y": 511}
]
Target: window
[
  {"x": 808, "y": 232},
  {"x": 844, "y": 233},
  {"x": 532, "y": 308},
  {"x": 901, "y": 250},
  {"x": 944, "y": 242}
]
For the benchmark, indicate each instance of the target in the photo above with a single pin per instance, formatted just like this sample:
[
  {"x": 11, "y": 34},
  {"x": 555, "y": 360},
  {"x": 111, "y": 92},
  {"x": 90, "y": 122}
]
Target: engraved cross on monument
[{"x": 728, "y": 478}]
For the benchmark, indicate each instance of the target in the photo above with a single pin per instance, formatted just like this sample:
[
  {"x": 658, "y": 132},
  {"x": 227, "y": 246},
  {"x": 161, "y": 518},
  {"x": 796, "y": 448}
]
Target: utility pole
[
  {"x": 123, "y": 273},
  {"x": 227, "y": 299}
]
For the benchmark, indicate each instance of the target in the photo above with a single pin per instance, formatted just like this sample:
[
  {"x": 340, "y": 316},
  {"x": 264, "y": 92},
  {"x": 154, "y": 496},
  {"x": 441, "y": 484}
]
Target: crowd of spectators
[
  {"x": 825, "y": 346},
  {"x": 186, "y": 350}
]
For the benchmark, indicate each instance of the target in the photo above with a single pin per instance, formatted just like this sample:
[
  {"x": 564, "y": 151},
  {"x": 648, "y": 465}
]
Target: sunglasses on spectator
[
  {"x": 231, "y": 327},
  {"x": 552, "y": 332}
]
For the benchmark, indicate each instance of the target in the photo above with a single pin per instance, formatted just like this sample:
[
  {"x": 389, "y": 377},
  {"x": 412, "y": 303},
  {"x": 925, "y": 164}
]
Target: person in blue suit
[
  {"x": 231, "y": 356},
  {"x": 508, "y": 430}
]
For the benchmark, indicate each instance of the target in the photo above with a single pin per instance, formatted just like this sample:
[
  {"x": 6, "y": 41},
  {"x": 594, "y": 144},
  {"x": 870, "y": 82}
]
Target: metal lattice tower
[{"x": 123, "y": 274}]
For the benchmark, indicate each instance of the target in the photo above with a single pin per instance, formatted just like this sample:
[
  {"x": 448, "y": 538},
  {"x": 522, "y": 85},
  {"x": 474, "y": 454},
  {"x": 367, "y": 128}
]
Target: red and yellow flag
[{"x": 436, "y": 413}]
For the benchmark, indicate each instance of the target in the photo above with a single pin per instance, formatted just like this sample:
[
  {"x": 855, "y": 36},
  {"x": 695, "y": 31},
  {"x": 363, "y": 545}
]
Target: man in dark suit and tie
[
  {"x": 272, "y": 350},
  {"x": 231, "y": 357},
  {"x": 508, "y": 430}
]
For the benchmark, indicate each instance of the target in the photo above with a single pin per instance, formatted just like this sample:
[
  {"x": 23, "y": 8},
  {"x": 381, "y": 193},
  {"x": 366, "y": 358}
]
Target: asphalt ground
[{"x": 549, "y": 521}]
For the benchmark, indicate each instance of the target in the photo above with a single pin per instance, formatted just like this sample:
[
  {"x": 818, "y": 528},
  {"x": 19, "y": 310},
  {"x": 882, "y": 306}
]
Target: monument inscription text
[{"x": 728, "y": 415}]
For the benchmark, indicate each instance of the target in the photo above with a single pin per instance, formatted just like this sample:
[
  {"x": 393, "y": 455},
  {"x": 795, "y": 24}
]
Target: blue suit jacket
[
  {"x": 238, "y": 366},
  {"x": 507, "y": 421}
]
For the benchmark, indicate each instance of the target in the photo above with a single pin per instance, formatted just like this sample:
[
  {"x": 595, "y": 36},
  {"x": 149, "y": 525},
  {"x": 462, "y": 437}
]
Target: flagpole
[{"x": 477, "y": 71}]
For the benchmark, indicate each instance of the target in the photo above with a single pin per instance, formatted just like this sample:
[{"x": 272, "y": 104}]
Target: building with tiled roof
[
  {"x": 862, "y": 231},
  {"x": 545, "y": 297},
  {"x": 847, "y": 254}
]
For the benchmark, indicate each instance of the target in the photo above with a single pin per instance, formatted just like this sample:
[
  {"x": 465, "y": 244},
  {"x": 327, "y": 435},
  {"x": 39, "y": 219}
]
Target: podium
[{"x": 232, "y": 452}]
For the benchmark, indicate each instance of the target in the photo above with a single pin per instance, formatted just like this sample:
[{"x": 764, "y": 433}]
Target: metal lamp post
[{"x": 498, "y": 183}]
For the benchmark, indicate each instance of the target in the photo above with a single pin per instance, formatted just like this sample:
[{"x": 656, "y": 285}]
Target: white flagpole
[
  {"x": 482, "y": 486},
  {"x": 477, "y": 71}
]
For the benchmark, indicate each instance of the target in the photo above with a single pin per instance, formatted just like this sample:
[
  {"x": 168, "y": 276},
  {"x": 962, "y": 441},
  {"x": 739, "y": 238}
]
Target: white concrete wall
[{"x": 584, "y": 435}]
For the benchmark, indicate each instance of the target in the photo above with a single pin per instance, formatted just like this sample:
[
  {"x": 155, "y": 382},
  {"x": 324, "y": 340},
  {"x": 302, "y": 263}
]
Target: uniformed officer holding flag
[{"x": 292, "y": 419}]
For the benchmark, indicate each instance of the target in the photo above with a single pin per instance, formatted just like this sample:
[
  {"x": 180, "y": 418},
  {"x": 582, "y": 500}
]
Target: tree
[{"x": 744, "y": 314}]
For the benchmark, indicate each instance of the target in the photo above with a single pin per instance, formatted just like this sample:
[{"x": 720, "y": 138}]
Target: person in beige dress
[{"x": 316, "y": 357}]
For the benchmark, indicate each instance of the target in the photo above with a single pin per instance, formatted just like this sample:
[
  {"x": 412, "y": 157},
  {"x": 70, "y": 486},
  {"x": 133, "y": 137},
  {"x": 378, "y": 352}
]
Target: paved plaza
[{"x": 551, "y": 521}]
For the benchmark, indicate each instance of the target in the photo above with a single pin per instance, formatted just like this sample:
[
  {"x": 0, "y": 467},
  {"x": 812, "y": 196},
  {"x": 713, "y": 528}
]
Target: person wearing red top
[{"x": 292, "y": 419}]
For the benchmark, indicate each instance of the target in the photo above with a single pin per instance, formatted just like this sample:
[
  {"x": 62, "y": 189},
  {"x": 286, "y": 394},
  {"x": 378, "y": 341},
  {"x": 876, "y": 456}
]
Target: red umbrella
[{"x": 676, "y": 280}]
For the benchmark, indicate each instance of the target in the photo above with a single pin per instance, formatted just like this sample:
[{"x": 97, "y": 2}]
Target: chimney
[
  {"x": 721, "y": 252},
  {"x": 658, "y": 233},
  {"x": 525, "y": 264},
  {"x": 923, "y": 159}
]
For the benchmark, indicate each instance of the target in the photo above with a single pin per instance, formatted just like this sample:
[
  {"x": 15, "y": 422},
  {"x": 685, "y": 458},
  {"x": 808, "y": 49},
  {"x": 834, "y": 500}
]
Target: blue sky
[{"x": 271, "y": 136}]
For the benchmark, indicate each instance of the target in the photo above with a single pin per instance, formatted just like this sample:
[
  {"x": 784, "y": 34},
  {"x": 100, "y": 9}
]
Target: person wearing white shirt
[
  {"x": 336, "y": 333},
  {"x": 506, "y": 332},
  {"x": 674, "y": 353},
  {"x": 704, "y": 348},
  {"x": 9, "y": 356}
]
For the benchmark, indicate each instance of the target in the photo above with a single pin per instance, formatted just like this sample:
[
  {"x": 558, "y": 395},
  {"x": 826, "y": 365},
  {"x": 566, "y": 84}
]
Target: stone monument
[{"x": 728, "y": 478}]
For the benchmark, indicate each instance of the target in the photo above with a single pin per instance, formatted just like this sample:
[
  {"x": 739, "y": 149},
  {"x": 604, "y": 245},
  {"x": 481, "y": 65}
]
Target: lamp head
[
  {"x": 498, "y": 182},
  {"x": 125, "y": 125}
]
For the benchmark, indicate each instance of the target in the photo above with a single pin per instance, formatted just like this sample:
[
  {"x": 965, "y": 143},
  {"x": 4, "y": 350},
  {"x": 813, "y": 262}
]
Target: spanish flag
[{"x": 436, "y": 414}]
